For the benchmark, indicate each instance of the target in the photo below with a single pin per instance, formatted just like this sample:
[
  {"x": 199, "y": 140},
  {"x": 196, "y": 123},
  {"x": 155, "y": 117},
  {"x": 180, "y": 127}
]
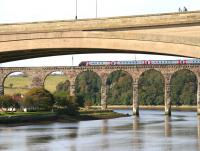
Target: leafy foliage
[
  {"x": 6, "y": 101},
  {"x": 39, "y": 99},
  {"x": 184, "y": 88},
  {"x": 151, "y": 88},
  {"x": 63, "y": 87},
  {"x": 61, "y": 98},
  {"x": 65, "y": 104},
  {"x": 120, "y": 91},
  {"x": 88, "y": 86}
]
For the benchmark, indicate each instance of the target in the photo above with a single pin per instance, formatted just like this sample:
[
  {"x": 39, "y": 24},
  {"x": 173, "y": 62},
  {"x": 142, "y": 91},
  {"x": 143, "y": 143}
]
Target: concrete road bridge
[
  {"x": 103, "y": 72},
  {"x": 171, "y": 34}
]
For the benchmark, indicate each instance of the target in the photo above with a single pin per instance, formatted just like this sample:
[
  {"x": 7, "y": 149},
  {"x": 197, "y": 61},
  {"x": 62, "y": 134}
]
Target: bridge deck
[{"x": 114, "y": 23}]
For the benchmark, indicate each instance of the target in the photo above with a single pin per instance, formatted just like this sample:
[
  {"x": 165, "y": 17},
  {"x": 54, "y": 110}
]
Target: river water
[{"x": 151, "y": 131}]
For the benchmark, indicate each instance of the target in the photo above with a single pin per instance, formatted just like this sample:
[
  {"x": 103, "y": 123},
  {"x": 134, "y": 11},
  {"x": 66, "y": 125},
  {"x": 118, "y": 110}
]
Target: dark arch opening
[
  {"x": 16, "y": 83},
  {"x": 57, "y": 81},
  {"x": 88, "y": 88},
  {"x": 120, "y": 88},
  {"x": 151, "y": 88},
  {"x": 183, "y": 88}
]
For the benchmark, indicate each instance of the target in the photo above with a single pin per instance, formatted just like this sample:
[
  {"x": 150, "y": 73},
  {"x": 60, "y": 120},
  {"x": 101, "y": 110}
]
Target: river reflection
[
  {"x": 168, "y": 126},
  {"x": 198, "y": 132},
  {"x": 151, "y": 131}
]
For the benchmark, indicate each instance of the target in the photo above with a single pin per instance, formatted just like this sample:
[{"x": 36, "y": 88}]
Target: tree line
[
  {"x": 40, "y": 99},
  {"x": 151, "y": 88}
]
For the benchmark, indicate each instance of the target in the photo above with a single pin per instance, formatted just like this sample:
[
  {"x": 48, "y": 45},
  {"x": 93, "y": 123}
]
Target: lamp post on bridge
[
  {"x": 96, "y": 8},
  {"x": 76, "y": 11}
]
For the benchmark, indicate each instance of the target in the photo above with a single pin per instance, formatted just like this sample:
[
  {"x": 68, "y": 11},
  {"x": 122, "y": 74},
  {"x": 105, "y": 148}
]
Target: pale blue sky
[{"x": 12, "y": 11}]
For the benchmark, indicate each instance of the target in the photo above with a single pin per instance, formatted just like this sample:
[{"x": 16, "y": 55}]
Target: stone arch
[
  {"x": 97, "y": 88},
  {"x": 179, "y": 87},
  {"x": 155, "y": 89},
  {"x": 6, "y": 75},
  {"x": 56, "y": 72},
  {"x": 49, "y": 73},
  {"x": 129, "y": 95}
]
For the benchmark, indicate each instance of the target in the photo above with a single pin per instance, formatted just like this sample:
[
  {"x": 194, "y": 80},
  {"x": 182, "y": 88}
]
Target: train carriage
[{"x": 139, "y": 62}]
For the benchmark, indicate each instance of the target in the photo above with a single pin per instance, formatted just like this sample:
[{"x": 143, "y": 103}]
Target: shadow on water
[
  {"x": 137, "y": 138},
  {"x": 168, "y": 126},
  {"x": 72, "y": 134},
  {"x": 167, "y": 145},
  {"x": 4, "y": 147},
  {"x": 39, "y": 139},
  {"x": 198, "y": 132},
  {"x": 104, "y": 131}
]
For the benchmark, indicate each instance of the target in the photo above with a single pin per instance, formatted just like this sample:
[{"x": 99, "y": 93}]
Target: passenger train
[{"x": 139, "y": 62}]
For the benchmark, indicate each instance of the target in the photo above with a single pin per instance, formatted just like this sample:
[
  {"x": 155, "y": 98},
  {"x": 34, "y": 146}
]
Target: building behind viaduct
[{"x": 103, "y": 72}]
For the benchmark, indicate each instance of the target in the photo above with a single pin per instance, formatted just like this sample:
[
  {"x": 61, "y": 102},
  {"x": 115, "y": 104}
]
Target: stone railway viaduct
[{"x": 103, "y": 72}]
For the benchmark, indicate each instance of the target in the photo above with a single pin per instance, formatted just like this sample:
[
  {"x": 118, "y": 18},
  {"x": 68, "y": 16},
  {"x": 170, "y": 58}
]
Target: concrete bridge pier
[
  {"x": 135, "y": 99},
  {"x": 167, "y": 96}
]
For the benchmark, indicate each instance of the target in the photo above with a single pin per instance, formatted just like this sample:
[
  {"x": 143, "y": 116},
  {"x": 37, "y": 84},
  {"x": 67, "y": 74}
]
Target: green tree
[
  {"x": 60, "y": 98},
  {"x": 72, "y": 105},
  {"x": 38, "y": 98},
  {"x": 120, "y": 90},
  {"x": 184, "y": 88},
  {"x": 88, "y": 86},
  {"x": 63, "y": 87},
  {"x": 65, "y": 104},
  {"x": 151, "y": 88},
  {"x": 7, "y": 101}
]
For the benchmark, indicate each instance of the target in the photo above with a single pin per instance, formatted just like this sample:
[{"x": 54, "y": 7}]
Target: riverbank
[
  {"x": 175, "y": 108},
  {"x": 34, "y": 117}
]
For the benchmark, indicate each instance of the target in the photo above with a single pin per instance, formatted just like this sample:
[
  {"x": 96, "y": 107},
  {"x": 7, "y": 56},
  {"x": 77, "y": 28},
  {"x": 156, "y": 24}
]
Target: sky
[{"x": 14, "y": 11}]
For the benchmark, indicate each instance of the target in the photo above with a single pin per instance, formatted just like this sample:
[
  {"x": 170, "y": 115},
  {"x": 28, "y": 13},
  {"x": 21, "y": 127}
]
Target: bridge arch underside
[
  {"x": 120, "y": 88},
  {"x": 56, "y": 81},
  {"x": 88, "y": 88},
  {"x": 151, "y": 88},
  {"x": 19, "y": 82},
  {"x": 183, "y": 87},
  {"x": 33, "y": 48}
]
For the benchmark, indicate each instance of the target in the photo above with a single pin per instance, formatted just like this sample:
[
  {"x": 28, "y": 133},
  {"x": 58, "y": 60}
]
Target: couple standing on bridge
[{"x": 182, "y": 10}]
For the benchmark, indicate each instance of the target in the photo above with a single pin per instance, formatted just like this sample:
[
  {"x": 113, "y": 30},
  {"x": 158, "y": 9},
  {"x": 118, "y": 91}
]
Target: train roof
[{"x": 138, "y": 60}]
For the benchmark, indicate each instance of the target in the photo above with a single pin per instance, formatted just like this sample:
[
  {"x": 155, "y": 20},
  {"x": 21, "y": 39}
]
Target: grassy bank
[
  {"x": 100, "y": 114},
  {"x": 26, "y": 117},
  {"x": 175, "y": 108},
  {"x": 22, "y": 84},
  {"x": 34, "y": 117}
]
